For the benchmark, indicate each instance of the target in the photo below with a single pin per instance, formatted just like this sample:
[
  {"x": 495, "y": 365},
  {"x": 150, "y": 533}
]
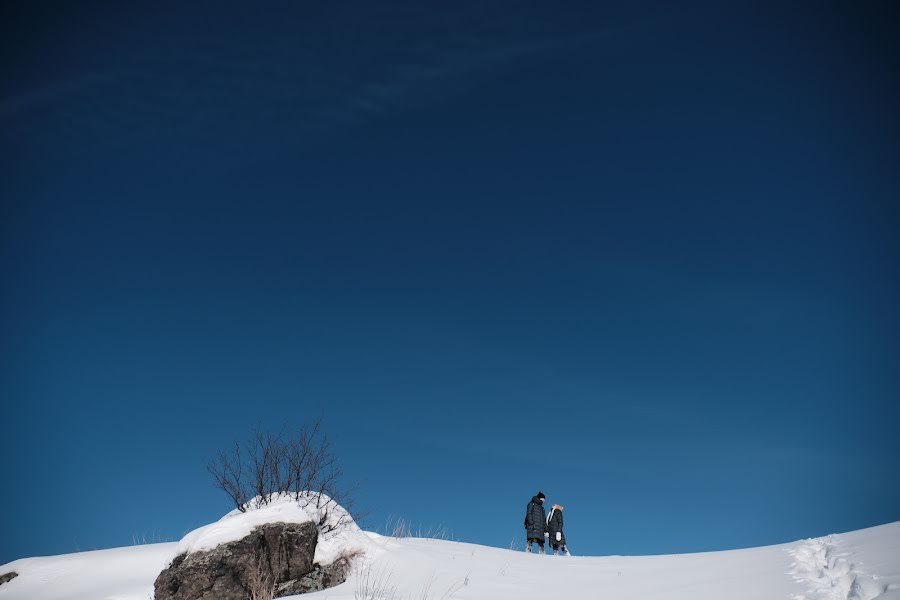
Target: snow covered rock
[
  {"x": 278, "y": 548},
  {"x": 275, "y": 553}
]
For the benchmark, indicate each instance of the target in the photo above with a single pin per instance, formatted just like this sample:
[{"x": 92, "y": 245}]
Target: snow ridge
[{"x": 829, "y": 573}]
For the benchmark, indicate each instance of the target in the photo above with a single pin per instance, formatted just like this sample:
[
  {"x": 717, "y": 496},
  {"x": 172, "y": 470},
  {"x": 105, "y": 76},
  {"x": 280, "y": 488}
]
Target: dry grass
[
  {"x": 260, "y": 580},
  {"x": 375, "y": 584},
  {"x": 398, "y": 527}
]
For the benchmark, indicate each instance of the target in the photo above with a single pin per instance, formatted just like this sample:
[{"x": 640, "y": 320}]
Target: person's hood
[
  {"x": 535, "y": 499},
  {"x": 557, "y": 507}
]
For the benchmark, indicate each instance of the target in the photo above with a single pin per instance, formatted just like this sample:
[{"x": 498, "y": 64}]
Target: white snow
[
  {"x": 475, "y": 572},
  {"x": 116, "y": 574},
  {"x": 862, "y": 565},
  {"x": 283, "y": 509},
  {"x": 237, "y": 525}
]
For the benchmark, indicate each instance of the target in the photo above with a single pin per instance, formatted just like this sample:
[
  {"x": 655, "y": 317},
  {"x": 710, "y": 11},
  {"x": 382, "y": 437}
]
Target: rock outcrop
[
  {"x": 278, "y": 556},
  {"x": 8, "y": 577},
  {"x": 320, "y": 578}
]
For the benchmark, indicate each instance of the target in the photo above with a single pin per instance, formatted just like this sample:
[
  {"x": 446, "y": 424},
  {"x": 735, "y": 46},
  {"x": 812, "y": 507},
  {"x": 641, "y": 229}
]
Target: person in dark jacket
[
  {"x": 555, "y": 531},
  {"x": 535, "y": 522}
]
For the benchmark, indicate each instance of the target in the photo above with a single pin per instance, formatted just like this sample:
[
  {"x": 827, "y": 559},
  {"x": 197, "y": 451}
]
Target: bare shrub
[{"x": 269, "y": 465}]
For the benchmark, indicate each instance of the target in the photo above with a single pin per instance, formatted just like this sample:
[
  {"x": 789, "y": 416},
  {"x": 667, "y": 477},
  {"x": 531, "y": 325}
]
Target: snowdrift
[{"x": 861, "y": 565}]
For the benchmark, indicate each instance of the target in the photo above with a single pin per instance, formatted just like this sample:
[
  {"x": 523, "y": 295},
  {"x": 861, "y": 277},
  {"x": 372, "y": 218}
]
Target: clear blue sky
[{"x": 644, "y": 259}]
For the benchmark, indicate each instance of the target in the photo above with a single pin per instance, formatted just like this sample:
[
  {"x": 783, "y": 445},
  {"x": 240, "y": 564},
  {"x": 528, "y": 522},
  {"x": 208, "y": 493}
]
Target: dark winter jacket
[
  {"x": 535, "y": 519},
  {"x": 554, "y": 524}
]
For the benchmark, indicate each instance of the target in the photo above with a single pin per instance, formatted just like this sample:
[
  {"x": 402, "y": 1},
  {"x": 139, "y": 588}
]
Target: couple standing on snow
[{"x": 538, "y": 526}]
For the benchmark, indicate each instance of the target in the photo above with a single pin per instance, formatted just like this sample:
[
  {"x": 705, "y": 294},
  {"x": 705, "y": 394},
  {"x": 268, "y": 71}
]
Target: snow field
[{"x": 861, "y": 565}]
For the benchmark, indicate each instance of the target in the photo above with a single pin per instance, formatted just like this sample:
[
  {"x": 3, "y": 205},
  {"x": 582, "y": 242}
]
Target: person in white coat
[{"x": 555, "y": 531}]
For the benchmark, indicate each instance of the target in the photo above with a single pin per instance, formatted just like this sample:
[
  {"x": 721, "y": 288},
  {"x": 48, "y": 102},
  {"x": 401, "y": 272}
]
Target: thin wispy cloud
[
  {"x": 400, "y": 83},
  {"x": 304, "y": 83}
]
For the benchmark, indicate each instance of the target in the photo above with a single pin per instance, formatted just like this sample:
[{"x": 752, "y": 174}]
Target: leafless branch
[{"x": 302, "y": 464}]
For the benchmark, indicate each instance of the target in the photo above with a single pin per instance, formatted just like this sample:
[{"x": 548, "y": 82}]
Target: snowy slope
[{"x": 862, "y": 565}]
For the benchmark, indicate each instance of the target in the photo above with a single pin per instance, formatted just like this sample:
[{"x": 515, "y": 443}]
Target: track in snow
[{"x": 830, "y": 574}]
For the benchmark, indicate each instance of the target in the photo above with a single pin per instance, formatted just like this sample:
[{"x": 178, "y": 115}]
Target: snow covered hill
[{"x": 862, "y": 565}]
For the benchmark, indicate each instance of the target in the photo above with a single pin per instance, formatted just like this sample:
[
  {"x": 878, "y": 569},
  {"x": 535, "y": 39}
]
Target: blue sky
[{"x": 643, "y": 258}]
